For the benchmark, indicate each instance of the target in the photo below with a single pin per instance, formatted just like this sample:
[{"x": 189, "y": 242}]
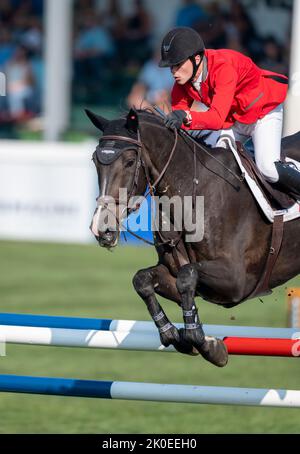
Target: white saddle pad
[{"x": 288, "y": 214}]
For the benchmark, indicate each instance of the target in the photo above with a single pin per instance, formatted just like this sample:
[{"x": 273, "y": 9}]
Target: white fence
[{"x": 47, "y": 191}]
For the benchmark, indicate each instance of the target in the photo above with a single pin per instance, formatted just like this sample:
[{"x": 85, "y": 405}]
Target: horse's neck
[
  {"x": 158, "y": 145},
  {"x": 181, "y": 171}
]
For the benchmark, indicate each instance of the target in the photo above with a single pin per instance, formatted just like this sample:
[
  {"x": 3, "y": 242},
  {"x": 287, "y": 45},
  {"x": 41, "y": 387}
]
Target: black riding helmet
[{"x": 178, "y": 45}]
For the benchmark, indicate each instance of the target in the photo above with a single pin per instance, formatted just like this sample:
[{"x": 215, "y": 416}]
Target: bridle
[
  {"x": 140, "y": 162},
  {"x": 138, "y": 146}
]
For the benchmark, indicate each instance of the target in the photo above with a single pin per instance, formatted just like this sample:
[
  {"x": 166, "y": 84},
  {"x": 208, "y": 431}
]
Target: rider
[{"x": 241, "y": 100}]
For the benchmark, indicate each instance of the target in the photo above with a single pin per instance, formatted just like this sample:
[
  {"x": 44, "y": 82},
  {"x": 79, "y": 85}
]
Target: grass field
[{"x": 89, "y": 281}]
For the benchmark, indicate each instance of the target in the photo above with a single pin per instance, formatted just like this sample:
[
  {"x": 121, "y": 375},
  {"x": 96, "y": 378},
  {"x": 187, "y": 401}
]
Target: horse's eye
[{"x": 129, "y": 163}]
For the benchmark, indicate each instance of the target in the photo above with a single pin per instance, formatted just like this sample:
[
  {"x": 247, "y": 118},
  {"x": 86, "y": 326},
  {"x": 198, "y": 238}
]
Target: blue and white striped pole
[
  {"x": 150, "y": 391},
  {"x": 46, "y": 321}
]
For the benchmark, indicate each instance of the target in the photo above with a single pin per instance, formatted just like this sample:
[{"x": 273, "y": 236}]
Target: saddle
[{"x": 273, "y": 193}]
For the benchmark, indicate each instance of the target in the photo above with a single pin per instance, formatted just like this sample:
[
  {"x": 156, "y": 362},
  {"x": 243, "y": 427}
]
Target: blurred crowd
[
  {"x": 21, "y": 40},
  {"x": 220, "y": 27},
  {"x": 115, "y": 55}
]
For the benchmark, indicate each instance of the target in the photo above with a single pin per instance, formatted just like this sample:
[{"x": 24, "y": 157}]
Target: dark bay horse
[{"x": 226, "y": 265}]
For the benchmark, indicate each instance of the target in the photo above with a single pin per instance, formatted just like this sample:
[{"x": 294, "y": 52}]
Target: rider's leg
[{"x": 266, "y": 137}]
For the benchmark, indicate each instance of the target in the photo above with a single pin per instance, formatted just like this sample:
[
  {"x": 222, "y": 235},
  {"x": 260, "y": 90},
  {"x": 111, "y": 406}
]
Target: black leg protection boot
[{"x": 289, "y": 177}]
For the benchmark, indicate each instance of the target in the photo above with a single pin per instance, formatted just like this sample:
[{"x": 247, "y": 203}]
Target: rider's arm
[
  {"x": 224, "y": 86},
  {"x": 180, "y": 99}
]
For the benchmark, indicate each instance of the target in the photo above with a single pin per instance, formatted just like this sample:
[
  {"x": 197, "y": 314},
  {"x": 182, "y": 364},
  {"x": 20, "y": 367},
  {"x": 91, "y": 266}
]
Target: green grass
[{"x": 89, "y": 281}]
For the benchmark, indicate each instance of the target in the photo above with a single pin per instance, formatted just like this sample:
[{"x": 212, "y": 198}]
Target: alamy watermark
[{"x": 168, "y": 214}]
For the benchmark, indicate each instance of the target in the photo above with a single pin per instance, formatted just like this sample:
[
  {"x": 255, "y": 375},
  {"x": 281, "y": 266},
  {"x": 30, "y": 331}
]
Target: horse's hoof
[
  {"x": 185, "y": 341},
  {"x": 215, "y": 351},
  {"x": 194, "y": 337},
  {"x": 173, "y": 337}
]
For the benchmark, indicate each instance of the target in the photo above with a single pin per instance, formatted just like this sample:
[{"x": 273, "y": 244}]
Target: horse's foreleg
[
  {"x": 212, "y": 349},
  {"x": 157, "y": 279}
]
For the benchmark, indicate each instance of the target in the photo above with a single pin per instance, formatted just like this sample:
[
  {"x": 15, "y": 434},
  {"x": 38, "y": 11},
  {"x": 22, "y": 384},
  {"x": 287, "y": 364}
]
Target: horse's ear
[
  {"x": 132, "y": 121},
  {"x": 97, "y": 120}
]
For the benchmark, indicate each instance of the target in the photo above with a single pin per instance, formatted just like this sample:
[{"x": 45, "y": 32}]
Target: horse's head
[{"x": 118, "y": 160}]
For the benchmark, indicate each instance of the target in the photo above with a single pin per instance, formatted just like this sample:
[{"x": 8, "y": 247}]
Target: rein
[{"x": 185, "y": 135}]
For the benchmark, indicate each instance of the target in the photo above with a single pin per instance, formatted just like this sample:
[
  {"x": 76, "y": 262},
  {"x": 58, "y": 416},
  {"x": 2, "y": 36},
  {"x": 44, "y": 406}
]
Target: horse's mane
[{"x": 150, "y": 116}]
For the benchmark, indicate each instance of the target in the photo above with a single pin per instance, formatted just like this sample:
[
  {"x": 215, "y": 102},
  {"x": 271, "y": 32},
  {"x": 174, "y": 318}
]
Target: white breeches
[{"x": 266, "y": 135}]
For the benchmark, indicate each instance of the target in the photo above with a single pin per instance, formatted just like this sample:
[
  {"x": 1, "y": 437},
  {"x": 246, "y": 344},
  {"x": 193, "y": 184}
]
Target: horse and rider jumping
[{"x": 135, "y": 152}]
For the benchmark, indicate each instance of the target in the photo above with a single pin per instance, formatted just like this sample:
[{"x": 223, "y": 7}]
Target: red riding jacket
[{"x": 235, "y": 89}]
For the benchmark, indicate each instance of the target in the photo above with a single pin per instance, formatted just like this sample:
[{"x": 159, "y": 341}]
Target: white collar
[{"x": 197, "y": 83}]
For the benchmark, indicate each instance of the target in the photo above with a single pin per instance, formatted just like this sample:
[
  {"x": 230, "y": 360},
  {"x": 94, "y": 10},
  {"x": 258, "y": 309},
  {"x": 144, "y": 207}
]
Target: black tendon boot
[{"x": 289, "y": 176}]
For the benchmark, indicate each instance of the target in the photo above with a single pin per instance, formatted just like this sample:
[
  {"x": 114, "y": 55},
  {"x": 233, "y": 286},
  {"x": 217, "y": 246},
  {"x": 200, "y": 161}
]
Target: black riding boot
[{"x": 289, "y": 177}]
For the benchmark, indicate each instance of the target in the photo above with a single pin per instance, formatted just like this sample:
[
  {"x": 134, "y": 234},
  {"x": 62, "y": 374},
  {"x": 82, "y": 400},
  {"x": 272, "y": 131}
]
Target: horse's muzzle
[{"x": 107, "y": 239}]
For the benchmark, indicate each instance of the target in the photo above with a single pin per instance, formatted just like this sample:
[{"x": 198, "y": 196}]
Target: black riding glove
[{"x": 175, "y": 119}]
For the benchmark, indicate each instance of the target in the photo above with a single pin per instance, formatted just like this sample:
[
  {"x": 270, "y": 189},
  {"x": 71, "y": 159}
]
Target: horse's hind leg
[
  {"x": 212, "y": 349},
  {"x": 157, "y": 279}
]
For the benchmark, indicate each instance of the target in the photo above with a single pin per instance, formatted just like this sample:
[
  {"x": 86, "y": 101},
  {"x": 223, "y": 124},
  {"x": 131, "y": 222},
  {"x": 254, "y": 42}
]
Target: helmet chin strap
[{"x": 195, "y": 66}]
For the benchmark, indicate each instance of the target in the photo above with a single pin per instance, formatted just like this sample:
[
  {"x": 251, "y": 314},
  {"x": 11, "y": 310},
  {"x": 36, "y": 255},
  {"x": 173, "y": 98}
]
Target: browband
[{"x": 124, "y": 139}]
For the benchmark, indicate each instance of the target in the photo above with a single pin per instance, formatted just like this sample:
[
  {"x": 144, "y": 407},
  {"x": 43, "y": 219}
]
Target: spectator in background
[
  {"x": 37, "y": 7},
  {"x": 6, "y": 11},
  {"x": 213, "y": 27},
  {"x": 113, "y": 20},
  {"x": 38, "y": 71},
  {"x": 189, "y": 14},
  {"x": 93, "y": 50},
  {"x": 27, "y": 7},
  {"x": 19, "y": 25},
  {"x": 136, "y": 40},
  {"x": 81, "y": 6},
  {"x": 7, "y": 47},
  {"x": 273, "y": 57},
  {"x": 93, "y": 41},
  {"x": 19, "y": 85},
  {"x": 153, "y": 86},
  {"x": 32, "y": 37},
  {"x": 241, "y": 32},
  {"x": 24, "y": 7}
]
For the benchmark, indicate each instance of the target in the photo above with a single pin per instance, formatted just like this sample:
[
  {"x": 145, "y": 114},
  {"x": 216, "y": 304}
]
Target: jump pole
[
  {"x": 150, "y": 391},
  {"x": 50, "y": 321},
  {"x": 148, "y": 341}
]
